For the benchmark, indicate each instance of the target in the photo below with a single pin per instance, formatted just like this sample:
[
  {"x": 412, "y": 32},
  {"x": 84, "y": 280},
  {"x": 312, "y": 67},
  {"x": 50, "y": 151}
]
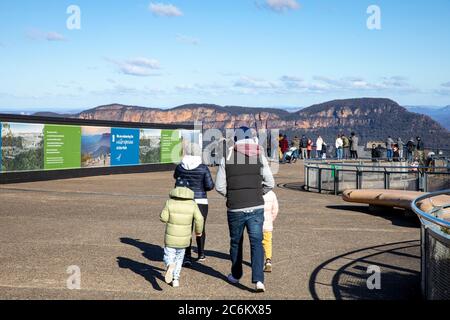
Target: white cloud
[
  {"x": 36, "y": 34},
  {"x": 291, "y": 79},
  {"x": 140, "y": 67},
  {"x": 444, "y": 89},
  {"x": 395, "y": 83},
  {"x": 165, "y": 10},
  {"x": 54, "y": 36},
  {"x": 293, "y": 85},
  {"x": 187, "y": 40},
  {"x": 254, "y": 83},
  {"x": 282, "y": 5},
  {"x": 122, "y": 90},
  {"x": 210, "y": 89}
]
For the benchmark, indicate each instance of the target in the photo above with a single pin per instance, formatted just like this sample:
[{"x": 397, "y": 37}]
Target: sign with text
[
  {"x": 62, "y": 147},
  {"x": 124, "y": 146},
  {"x": 170, "y": 146}
]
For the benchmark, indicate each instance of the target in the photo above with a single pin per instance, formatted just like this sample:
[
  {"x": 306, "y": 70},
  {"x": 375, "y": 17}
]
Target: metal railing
[
  {"x": 435, "y": 248},
  {"x": 335, "y": 177}
]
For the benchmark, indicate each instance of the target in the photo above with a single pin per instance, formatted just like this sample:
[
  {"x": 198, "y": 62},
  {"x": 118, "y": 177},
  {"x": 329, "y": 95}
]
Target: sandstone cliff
[{"x": 371, "y": 118}]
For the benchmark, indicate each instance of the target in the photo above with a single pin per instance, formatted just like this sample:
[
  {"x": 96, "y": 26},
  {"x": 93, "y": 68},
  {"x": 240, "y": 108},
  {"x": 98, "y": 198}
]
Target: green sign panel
[
  {"x": 62, "y": 147},
  {"x": 170, "y": 146}
]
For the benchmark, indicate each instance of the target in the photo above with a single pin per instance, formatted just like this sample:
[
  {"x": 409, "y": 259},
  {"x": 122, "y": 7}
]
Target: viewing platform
[{"x": 109, "y": 226}]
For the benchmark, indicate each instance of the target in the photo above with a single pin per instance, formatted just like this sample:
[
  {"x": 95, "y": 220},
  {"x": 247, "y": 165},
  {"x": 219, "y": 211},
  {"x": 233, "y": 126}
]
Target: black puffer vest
[{"x": 244, "y": 181}]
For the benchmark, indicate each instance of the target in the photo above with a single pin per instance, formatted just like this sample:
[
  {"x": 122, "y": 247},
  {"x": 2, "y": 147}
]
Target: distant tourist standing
[
  {"x": 270, "y": 214},
  {"x": 420, "y": 149},
  {"x": 389, "y": 146},
  {"x": 319, "y": 146},
  {"x": 401, "y": 147},
  {"x": 339, "y": 148},
  {"x": 280, "y": 154},
  {"x": 296, "y": 144},
  {"x": 396, "y": 153},
  {"x": 284, "y": 145},
  {"x": 309, "y": 148},
  {"x": 304, "y": 146},
  {"x": 410, "y": 148},
  {"x": 354, "y": 146},
  {"x": 376, "y": 152},
  {"x": 346, "y": 146},
  {"x": 244, "y": 176},
  {"x": 324, "y": 150},
  {"x": 192, "y": 171}
]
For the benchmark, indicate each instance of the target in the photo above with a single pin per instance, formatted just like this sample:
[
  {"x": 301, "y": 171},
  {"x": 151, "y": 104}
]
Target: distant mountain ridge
[
  {"x": 441, "y": 115},
  {"x": 371, "y": 118}
]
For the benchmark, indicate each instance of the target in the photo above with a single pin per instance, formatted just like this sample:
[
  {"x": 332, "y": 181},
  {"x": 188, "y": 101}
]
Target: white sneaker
[
  {"x": 232, "y": 279},
  {"x": 175, "y": 283},
  {"x": 169, "y": 273},
  {"x": 260, "y": 287}
]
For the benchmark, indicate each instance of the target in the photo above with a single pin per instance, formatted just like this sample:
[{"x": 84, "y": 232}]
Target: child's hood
[
  {"x": 182, "y": 193},
  {"x": 191, "y": 162}
]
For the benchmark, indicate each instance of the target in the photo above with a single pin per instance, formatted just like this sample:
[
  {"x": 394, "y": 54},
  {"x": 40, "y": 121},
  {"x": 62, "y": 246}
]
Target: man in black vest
[{"x": 243, "y": 178}]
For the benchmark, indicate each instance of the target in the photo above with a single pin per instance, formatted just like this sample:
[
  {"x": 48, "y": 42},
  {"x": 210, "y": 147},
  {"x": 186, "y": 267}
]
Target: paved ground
[{"x": 109, "y": 227}]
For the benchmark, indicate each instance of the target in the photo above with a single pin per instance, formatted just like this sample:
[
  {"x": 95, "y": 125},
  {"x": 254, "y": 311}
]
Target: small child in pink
[{"x": 270, "y": 214}]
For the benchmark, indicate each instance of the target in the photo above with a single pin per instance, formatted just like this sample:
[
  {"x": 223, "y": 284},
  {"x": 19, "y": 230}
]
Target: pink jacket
[{"x": 270, "y": 211}]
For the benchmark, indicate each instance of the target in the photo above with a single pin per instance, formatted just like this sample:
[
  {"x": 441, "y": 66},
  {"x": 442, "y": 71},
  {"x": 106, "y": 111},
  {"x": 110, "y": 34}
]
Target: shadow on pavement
[
  {"x": 149, "y": 251},
  {"x": 156, "y": 253},
  {"x": 220, "y": 255},
  {"x": 397, "y": 217},
  {"x": 148, "y": 272},
  {"x": 345, "y": 276}
]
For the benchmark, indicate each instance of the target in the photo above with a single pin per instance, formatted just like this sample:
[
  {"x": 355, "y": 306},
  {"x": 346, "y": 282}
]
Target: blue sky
[{"x": 229, "y": 52}]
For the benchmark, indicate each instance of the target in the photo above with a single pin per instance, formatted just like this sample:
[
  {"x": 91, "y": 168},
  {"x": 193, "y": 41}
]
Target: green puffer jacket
[{"x": 178, "y": 215}]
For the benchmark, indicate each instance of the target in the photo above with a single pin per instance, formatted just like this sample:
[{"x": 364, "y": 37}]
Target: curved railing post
[{"x": 435, "y": 248}]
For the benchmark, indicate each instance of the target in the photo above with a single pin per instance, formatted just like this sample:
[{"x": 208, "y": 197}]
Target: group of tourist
[
  {"x": 245, "y": 179},
  {"x": 347, "y": 148},
  {"x": 300, "y": 148},
  {"x": 412, "y": 151}
]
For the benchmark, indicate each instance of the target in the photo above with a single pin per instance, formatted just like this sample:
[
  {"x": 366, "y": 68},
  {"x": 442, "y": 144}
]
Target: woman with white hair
[{"x": 193, "y": 174}]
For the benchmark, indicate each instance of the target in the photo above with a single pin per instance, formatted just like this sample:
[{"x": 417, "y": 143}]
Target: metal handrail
[
  {"x": 427, "y": 216},
  {"x": 359, "y": 170},
  {"x": 315, "y": 165}
]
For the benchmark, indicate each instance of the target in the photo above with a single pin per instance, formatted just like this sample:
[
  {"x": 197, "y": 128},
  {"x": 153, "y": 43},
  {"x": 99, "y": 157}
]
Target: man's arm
[{"x": 221, "y": 179}]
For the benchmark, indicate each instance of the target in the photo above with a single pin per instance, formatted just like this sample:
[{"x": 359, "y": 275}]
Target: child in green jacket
[{"x": 178, "y": 215}]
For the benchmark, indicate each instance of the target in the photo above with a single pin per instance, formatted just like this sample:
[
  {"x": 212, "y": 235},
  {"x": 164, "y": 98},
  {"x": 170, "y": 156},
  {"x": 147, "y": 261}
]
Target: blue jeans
[
  {"x": 410, "y": 156},
  {"x": 174, "y": 256},
  {"x": 237, "y": 222},
  {"x": 390, "y": 154},
  {"x": 339, "y": 153}
]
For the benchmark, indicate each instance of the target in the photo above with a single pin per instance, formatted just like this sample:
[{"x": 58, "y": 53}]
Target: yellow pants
[{"x": 267, "y": 245}]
